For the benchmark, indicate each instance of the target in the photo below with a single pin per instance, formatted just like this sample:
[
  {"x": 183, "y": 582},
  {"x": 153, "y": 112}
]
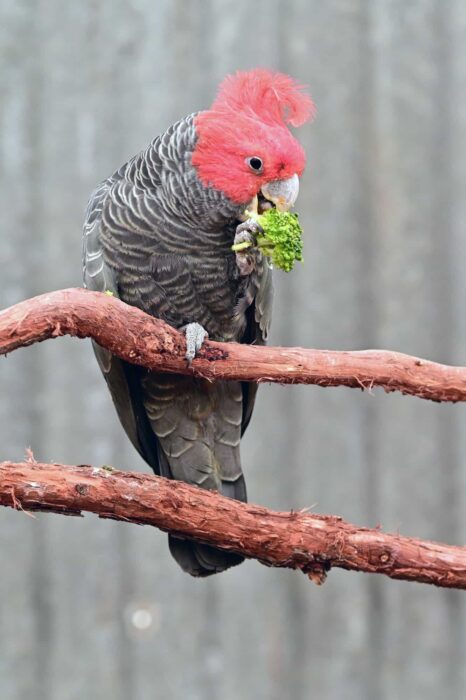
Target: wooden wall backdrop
[{"x": 93, "y": 609}]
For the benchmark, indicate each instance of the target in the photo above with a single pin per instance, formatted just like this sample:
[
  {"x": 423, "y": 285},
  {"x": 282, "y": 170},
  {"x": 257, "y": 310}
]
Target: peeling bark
[
  {"x": 140, "y": 339},
  {"x": 311, "y": 543},
  {"x": 295, "y": 540}
]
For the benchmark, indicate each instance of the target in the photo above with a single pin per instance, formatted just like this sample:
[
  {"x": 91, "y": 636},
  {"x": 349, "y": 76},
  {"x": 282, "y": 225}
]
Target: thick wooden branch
[
  {"x": 295, "y": 540},
  {"x": 141, "y": 339}
]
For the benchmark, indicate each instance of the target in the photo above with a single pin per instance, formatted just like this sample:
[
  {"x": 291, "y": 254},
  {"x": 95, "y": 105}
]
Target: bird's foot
[
  {"x": 246, "y": 258},
  {"x": 250, "y": 226},
  {"x": 195, "y": 335}
]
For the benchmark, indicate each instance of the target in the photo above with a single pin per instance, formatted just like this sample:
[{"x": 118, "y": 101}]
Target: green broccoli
[{"x": 282, "y": 238}]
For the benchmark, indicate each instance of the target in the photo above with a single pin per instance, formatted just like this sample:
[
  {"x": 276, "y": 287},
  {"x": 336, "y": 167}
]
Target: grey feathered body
[{"x": 160, "y": 240}]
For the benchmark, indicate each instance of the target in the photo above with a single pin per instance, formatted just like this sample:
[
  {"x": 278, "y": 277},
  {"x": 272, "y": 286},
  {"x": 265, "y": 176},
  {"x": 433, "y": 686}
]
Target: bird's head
[{"x": 244, "y": 147}]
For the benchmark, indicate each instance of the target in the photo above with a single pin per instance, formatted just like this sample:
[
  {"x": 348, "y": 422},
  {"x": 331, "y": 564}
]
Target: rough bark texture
[
  {"x": 141, "y": 339},
  {"x": 295, "y": 540}
]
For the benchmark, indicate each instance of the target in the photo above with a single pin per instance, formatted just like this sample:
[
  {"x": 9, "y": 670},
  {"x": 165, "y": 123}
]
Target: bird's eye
[{"x": 255, "y": 163}]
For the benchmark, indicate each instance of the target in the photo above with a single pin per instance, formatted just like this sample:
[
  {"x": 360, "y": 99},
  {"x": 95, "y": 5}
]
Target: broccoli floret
[{"x": 282, "y": 238}]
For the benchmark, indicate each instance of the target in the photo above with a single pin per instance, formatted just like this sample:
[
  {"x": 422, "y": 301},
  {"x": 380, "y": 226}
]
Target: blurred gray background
[{"x": 93, "y": 609}]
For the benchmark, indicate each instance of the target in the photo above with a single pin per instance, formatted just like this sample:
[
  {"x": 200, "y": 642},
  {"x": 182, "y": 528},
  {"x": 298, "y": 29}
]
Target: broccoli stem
[
  {"x": 265, "y": 243},
  {"x": 241, "y": 246},
  {"x": 262, "y": 242}
]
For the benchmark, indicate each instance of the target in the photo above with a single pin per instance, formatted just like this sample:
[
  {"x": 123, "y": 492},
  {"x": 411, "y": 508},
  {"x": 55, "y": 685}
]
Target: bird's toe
[{"x": 195, "y": 335}]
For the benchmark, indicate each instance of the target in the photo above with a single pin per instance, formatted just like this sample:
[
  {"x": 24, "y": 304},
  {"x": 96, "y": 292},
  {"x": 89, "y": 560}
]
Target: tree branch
[
  {"x": 138, "y": 338},
  {"x": 311, "y": 543}
]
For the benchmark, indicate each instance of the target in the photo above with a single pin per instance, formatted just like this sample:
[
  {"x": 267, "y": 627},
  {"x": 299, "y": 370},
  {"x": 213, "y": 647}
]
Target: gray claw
[
  {"x": 251, "y": 226},
  {"x": 195, "y": 335},
  {"x": 246, "y": 233}
]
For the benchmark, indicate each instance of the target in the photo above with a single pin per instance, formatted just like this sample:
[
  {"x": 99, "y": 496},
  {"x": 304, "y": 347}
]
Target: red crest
[{"x": 248, "y": 118}]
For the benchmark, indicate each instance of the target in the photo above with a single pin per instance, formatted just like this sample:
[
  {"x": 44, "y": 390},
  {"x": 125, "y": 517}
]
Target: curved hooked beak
[{"x": 283, "y": 193}]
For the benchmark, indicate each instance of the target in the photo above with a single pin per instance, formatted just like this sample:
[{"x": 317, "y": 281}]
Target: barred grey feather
[{"x": 160, "y": 240}]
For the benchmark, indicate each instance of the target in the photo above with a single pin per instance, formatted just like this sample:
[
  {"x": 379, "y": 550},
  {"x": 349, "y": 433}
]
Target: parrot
[{"x": 158, "y": 235}]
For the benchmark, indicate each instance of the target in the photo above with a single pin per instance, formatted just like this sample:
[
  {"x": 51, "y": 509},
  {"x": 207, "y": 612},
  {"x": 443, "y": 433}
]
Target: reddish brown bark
[
  {"x": 311, "y": 543},
  {"x": 141, "y": 339}
]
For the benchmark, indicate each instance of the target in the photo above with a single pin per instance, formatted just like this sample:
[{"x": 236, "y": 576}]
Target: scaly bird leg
[{"x": 195, "y": 335}]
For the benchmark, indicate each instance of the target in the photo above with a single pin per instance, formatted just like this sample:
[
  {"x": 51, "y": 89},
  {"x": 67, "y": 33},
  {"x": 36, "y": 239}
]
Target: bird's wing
[
  {"x": 99, "y": 277},
  {"x": 117, "y": 204},
  {"x": 259, "y": 317},
  {"x": 163, "y": 285}
]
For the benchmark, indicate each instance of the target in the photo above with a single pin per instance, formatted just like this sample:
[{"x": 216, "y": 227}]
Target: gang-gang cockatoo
[{"x": 158, "y": 234}]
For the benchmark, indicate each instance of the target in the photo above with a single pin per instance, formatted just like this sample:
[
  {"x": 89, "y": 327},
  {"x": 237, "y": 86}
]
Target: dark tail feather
[{"x": 201, "y": 560}]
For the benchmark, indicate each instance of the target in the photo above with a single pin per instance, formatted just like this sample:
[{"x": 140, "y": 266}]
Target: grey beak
[{"x": 283, "y": 193}]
